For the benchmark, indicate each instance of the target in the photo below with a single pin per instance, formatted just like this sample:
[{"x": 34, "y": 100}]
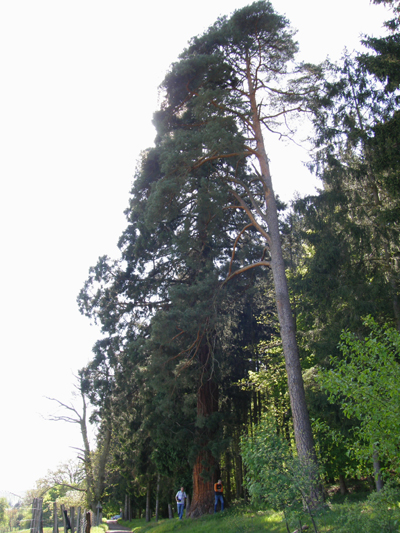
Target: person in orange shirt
[{"x": 218, "y": 491}]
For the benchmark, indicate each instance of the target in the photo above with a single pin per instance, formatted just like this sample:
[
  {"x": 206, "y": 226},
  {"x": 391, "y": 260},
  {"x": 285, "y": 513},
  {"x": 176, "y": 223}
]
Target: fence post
[
  {"x": 64, "y": 517},
  {"x": 78, "y": 521},
  {"x": 55, "y": 518},
  {"x": 83, "y": 522},
  {"x": 88, "y": 522},
  {"x": 36, "y": 522},
  {"x": 72, "y": 519},
  {"x": 34, "y": 504}
]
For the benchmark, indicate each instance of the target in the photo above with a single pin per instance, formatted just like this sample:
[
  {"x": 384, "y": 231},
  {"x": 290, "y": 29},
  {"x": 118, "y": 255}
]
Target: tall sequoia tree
[
  {"x": 237, "y": 72},
  {"x": 202, "y": 212},
  {"x": 160, "y": 307}
]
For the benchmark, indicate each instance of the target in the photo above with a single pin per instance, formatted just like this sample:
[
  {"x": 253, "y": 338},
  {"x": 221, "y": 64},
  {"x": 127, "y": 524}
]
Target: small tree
[
  {"x": 3, "y": 507},
  {"x": 94, "y": 467},
  {"x": 273, "y": 474},
  {"x": 365, "y": 383}
]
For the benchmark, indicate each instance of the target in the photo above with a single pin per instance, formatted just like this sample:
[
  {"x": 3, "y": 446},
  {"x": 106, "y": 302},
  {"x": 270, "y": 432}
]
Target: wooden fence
[{"x": 72, "y": 520}]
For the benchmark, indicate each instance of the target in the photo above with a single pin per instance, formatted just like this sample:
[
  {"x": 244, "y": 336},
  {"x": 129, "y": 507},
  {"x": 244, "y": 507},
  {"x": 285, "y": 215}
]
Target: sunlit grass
[{"x": 231, "y": 521}]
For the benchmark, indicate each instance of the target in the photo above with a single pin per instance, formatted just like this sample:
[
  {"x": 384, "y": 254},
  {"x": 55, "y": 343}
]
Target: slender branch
[
  {"x": 250, "y": 195},
  {"x": 234, "y": 246},
  {"x": 244, "y": 206},
  {"x": 248, "y": 267}
]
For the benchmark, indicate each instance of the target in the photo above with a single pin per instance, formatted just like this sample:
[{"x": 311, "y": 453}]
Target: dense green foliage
[
  {"x": 274, "y": 475},
  {"x": 365, "y": 384},
  {"x": 3, "y": 508},
  {"x": 200, "y": 331}
]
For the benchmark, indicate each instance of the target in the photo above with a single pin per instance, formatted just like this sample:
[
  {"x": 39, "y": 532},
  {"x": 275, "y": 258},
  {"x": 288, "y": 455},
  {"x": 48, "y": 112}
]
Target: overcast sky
[{"x": 78, "y": 88}]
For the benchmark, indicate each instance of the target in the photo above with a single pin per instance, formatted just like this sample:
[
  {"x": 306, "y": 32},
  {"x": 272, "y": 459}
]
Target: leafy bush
[
  {"x": 275, "y": 476},
  {"x": 380, "y": 512},
  {"x": 364, "y": 382}
]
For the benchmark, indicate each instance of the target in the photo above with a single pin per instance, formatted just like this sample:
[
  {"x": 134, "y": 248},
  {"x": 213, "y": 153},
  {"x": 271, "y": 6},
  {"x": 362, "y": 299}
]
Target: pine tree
[
  {"x": 235, "y": 77},
  {"x": 202, "y": 212}
]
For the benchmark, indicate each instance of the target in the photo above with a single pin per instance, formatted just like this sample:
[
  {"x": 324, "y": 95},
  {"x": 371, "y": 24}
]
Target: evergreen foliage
[
  {"x": 350, "y": 230},
  {"x": 197, "y": 342}
]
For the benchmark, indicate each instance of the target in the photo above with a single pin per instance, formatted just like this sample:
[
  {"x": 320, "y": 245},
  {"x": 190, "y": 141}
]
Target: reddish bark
[
  {"x": 203, "y": 490},
  {"x": 205, "y": 467}
]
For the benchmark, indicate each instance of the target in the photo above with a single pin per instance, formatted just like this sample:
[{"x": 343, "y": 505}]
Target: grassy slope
[
  {"x": 227, "y": 522},
  {"x": 353, "y": 514}
]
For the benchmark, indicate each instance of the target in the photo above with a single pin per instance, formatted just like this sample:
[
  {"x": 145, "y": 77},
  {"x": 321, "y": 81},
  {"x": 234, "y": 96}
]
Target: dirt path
[{"x": 115, "y": 527}]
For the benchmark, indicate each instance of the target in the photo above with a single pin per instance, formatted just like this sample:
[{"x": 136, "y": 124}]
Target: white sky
[{"x": 78, "y": 88}]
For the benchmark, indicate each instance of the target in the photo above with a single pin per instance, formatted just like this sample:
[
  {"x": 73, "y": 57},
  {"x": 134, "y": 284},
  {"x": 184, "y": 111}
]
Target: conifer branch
[
  {"x": 234, "y": 246},
  {"x": 248, "y": 267}
]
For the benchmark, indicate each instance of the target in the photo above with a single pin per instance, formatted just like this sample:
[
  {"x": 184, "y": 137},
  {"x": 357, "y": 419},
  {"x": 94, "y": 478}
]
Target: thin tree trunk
[
  {"x": 125, "y": 515},
  {"x": 301, "y": 419},
  {"x": 148, "y": 502},
  {"x": 377, "y": 472},
  {"x": 238, "y": 467},
  {"x": 342, "y": 483},
  {"x": 55, "y": 518},
  {"x": 158, "y": 496},
  {"x": 228, "y": 473},
  {"x": 100, "y": 480}
]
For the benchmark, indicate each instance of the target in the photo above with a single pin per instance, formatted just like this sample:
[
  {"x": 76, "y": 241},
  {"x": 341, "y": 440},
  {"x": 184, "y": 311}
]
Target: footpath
[{"x": 115, "y": 527}]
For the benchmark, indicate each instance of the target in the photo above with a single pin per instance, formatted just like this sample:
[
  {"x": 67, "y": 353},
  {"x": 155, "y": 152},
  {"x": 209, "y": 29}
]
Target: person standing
[
  {"x": 218, "y": 491},
  {"x": 180, "y": 500}
]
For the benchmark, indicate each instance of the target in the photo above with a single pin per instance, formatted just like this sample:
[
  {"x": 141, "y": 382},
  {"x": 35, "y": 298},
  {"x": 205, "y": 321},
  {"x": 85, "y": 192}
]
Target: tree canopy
[{"x": 222, "y": 305}]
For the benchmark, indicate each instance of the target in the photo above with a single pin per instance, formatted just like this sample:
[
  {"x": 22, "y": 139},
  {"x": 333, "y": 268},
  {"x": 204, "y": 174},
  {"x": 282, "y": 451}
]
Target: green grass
[
  {"x": 230, "y": 521},
  {"x": 351, "y": 515},
  {"x": 102, "y": 528}
]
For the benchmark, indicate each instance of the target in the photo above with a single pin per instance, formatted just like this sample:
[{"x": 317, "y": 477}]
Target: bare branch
[{"x": 248, "y": 267}]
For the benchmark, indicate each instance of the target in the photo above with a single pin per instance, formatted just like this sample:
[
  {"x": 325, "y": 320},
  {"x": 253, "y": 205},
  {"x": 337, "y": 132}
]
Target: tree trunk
[
  {"x": 342, "y": 483},
  {"x": 377, "y": 472},
  {"x": 301, "y": 419},
  {"x": 238, "y": 466},
  {"x": 203, "y": 490},
  {"x": 158, "y": 497},
  {"x": 125, "y": 515},
  {"x": 204, "y": 470},
  {"x": 228, "y": 473},
  {"x": 148, "y": 502},
  {"x": 101, "y": 474}
]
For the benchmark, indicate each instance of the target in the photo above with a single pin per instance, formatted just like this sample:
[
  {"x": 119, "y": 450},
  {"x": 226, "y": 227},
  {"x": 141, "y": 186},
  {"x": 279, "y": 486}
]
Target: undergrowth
[{"x": 377, "y": 512}]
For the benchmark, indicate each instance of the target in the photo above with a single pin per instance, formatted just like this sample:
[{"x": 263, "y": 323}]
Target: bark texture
[
  {"x": 205, "y": 467},
  {"x": 301, "y": 419}
]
